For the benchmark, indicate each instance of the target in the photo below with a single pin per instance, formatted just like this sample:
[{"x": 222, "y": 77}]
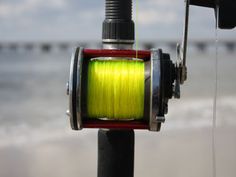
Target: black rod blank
[
  {"x": 118, "y": 25},
  {"x": 115, "y": 153}
]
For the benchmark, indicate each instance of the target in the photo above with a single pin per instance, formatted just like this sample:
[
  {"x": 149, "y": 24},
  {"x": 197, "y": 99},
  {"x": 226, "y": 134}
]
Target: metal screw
[
  {"x": 68, "y": 112},
  {"x": 160, "y": 119},
  {"x": 67, "y": 88}
]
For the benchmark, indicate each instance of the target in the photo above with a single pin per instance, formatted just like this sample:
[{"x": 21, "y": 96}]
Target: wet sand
[{"x": 167, "y": 154}]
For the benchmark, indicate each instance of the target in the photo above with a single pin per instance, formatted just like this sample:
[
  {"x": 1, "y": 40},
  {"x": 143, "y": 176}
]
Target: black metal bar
[
  {"x": 115, "y": 153},
  {"x": 226, "y": 10},
  {"x": 204, "y": 3}
]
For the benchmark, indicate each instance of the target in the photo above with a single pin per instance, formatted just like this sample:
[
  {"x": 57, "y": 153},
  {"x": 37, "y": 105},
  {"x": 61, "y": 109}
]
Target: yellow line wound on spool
[{"x": 116, "y": 89}]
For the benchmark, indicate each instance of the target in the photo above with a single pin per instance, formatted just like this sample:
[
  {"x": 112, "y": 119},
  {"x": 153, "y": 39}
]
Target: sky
[{"x": 66, "y": 20}]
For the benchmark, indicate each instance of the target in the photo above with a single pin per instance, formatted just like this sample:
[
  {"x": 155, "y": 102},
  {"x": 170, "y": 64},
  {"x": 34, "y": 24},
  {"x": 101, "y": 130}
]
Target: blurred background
[{"x": 36, "y": 41}]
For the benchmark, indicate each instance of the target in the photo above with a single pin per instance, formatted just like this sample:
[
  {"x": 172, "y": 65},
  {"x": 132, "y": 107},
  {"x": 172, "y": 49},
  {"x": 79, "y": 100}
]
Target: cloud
[
  {"x": 164, "y": 3},
  {"x": 82, "y": 19},
  {"x": 14, "y": 8},
  {"x": 150, "y": 13},
  {"x": 152, "y": 17},
  {"x": 7, "y": 9},
  {"x": 48, "y": 19}
]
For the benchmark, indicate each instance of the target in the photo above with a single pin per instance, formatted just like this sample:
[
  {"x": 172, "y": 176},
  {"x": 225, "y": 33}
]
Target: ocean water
[{"x": 36, "y": 139}]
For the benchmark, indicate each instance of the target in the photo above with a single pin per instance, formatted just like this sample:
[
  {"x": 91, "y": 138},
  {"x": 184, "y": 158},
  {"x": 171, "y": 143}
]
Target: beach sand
[{"x": 166, "y": 154}]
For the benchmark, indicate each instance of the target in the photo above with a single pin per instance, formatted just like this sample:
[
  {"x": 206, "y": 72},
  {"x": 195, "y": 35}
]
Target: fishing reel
[
  {"x": 117, "y": 87},
  {"x": 159, "y": 77},
  {"x": 120, "y": 88}
]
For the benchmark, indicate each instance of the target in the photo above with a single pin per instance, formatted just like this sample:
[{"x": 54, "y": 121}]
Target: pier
[{"x": 45, "y": 47}]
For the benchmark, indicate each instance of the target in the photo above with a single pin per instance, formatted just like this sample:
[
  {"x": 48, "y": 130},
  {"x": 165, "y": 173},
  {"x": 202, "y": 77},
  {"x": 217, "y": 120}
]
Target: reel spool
[{"x": 150, "y": 97}]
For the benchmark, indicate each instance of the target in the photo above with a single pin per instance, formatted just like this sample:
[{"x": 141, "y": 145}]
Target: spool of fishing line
[{"x": 115, "y": 89}]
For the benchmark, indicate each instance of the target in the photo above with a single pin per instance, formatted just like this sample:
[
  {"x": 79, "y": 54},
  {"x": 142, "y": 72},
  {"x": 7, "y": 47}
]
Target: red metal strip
[
  {"x": 115, "y": 124},
  {"x": 93, "y": 53}
]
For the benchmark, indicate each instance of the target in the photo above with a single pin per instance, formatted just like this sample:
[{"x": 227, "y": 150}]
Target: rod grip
[{"x": 115, "y": 153}]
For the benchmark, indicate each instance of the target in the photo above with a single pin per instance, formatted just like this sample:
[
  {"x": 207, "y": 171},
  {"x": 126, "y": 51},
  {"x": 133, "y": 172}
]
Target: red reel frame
[
  {"x": 156, "y": 111},
  {"x": 93, "y": 53}
]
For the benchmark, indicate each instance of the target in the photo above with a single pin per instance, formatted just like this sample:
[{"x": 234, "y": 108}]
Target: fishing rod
[{"x": 118, "y": 89}]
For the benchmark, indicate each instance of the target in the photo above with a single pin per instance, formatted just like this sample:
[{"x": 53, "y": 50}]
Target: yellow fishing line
[
  {"x": 116, "y": 89},
  {"x": 136, "y": 28}
]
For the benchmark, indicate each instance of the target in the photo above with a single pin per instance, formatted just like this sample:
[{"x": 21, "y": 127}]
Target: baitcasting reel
[
  {"x": 160, "y": 74},
  {"x": 140, "y": 94}
]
